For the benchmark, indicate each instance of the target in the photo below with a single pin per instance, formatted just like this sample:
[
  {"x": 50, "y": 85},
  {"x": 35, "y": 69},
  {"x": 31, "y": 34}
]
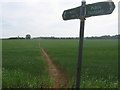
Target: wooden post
[{"x": 81, "y": 38}]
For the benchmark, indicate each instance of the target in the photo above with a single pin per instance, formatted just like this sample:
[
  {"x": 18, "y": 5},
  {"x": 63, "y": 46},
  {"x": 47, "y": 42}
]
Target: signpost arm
[{"x": 81, "y": 37}]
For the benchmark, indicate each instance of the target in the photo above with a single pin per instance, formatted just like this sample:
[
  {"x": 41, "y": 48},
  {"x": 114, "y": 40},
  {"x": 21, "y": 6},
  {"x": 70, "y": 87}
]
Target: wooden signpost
[{"x": 82, "y": 12}]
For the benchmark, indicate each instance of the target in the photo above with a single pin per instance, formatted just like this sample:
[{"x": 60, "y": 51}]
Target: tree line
[
  {"x": 93, "y": 37},
  {"x": 28, "y": 36}
]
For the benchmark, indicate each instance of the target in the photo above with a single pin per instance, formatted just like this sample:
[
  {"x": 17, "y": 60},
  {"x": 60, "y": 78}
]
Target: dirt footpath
[{"x": 60, "y": 79}]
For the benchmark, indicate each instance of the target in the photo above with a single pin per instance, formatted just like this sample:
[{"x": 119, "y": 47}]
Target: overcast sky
[{"x": 44, "y": 18}]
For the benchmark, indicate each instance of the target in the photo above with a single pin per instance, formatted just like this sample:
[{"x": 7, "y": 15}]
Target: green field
[{"x": 23, "y": 65}]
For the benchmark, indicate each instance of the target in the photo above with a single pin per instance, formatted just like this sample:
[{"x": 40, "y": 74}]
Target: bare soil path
[{"x": 59, "y": 77}]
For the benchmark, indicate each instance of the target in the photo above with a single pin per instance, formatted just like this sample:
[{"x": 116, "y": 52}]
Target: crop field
[
  {"x": 24, "y": 66},
  {"x": 100, "y": 61}
]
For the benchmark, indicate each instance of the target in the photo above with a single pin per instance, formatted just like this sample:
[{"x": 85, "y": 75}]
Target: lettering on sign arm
[{"x": 95, "y": 7}]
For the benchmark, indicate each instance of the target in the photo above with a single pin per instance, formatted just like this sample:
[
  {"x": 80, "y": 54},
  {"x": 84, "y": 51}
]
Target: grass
[
  {"x": 100, "y": 61},
  {"x": 23, "y": 65}
]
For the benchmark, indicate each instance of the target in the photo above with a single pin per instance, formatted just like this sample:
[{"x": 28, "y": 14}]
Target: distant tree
[{"x": 28, "y": 36}]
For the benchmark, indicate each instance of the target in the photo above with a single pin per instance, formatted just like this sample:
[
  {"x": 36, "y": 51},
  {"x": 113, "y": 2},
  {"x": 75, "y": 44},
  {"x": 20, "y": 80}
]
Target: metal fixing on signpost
[{"x": 82, "y": 12}]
